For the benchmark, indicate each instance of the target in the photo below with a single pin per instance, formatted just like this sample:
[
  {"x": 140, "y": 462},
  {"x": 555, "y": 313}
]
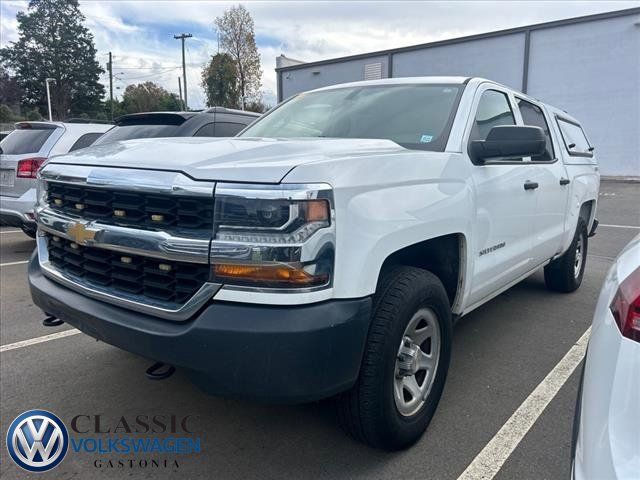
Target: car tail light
[
  {"x": 625, "y": 306},
  {"x": 28, "y": 167}
]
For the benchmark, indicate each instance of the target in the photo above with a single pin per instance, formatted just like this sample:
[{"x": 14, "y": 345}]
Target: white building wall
[
  {"x": 499, "y": 58},
  {"x": 592, "y": 70},
  {"x": 303, "y": 79}
]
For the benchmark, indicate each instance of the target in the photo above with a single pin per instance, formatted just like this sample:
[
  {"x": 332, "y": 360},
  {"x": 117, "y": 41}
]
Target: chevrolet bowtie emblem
[{"x": 81, "y": 233}]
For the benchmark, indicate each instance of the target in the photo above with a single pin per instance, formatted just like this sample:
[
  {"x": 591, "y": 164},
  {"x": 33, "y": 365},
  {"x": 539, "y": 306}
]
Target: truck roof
[
  {"x": 399, "y": 81},
  {"x": 453, "y": 80}
]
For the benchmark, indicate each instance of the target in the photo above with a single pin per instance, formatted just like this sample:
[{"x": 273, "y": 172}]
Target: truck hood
[{"x": 265, "y": 160}]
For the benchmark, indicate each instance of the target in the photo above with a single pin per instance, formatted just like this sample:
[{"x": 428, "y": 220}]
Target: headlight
[{"x": 273, "y": 236}]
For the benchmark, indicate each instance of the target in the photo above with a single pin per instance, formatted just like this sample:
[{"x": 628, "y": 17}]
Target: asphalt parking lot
[{"x": 502, "y": 351}]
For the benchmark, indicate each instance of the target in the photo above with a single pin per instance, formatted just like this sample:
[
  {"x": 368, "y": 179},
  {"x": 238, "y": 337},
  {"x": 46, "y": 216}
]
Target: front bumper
[
  {"x": 284, "y": 354},
  {"x": 18, "y": 211}
]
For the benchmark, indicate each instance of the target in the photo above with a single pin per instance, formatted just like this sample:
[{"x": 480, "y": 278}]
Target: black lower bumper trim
[{"x": 284, "y": 354}]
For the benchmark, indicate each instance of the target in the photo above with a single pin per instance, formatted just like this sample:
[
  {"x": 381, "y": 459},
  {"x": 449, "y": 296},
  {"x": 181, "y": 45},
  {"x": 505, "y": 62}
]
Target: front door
[{"x": 502, "y": 242}]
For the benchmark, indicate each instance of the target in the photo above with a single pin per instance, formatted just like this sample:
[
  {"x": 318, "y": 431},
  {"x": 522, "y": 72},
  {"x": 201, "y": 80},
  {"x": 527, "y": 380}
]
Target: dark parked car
[{"x": 214, "y": 122}]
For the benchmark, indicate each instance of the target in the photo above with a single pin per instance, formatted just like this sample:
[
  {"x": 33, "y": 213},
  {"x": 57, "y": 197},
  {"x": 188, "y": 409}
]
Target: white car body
[
  {"x": 608, "y": 424},
  {"x": 536, "y": 227}
]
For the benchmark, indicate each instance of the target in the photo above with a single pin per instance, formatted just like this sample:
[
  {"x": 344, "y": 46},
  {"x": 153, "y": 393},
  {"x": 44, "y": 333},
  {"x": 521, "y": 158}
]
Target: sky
[{"x": 139, "y": 33}]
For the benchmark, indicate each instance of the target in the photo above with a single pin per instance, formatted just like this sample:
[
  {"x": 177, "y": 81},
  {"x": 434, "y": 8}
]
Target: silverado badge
[{"x": 81, "y": 233}]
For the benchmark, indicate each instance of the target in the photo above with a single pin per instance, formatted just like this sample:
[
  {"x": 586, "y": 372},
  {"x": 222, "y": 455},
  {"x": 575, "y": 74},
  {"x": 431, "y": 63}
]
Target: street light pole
[
  {"x": 184, "y": 68},
  {"x": 47, "y": 81}
]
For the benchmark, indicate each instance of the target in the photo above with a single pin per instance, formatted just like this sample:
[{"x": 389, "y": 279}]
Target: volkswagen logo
[{"x": 37, "y": 440}]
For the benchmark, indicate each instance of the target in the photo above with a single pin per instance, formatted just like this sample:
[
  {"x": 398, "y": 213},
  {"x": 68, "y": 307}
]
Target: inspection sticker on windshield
[{"x": 426, "y": 138}]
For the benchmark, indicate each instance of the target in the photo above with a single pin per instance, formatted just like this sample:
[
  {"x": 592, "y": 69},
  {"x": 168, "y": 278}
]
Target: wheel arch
[{"x": 445, "y": 256}]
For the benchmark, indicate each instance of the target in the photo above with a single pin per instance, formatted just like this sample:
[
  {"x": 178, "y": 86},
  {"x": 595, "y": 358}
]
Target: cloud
[{"x": 140, "y": 32}]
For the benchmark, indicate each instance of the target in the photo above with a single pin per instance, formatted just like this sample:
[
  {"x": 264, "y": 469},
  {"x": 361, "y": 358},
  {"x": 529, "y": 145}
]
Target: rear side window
[
  {"x": 25, "y": 140},
  {"x": 493, "y": 110},
  {"x": 574, "y": 138},
  {"x": 532, "y": 115},
  {"x": 128, "y": 132},
  {"x": 205, "y": 131},
  {"x": 228, "y": 129},
  {"x": 85, "y": 140}
]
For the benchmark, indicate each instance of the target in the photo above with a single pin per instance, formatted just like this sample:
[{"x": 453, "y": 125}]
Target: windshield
[
  {"x": 417, "y": 116},
  {"x": 25, "y": 140},
  {"x": 128, "y": 132}
]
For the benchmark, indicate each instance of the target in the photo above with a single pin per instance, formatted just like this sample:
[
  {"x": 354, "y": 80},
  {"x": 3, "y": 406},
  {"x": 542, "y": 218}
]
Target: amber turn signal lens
[
  {"x": 317, "y": 211},
  {"x": 278, "y": 275}
]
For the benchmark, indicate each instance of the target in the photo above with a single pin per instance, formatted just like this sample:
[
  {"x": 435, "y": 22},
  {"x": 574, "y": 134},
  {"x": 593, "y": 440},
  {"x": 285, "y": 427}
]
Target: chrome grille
[
  {"x": 166, "y": 281},
  {"x": 138, "y": 239},
  {"x": 130, "y": 208}
]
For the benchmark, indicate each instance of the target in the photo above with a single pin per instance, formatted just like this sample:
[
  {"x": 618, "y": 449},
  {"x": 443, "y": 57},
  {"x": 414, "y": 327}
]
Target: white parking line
[
  {"x": 633, "y": 227},
  {"x": 489, "y": 461},
  {"x": 10, "y": 231},
  {"x": 35, "y": 341},
  {"x": 13, "y": 263}
]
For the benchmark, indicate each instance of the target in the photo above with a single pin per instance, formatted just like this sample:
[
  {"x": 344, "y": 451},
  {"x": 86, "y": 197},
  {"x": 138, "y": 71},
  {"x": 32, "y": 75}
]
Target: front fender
[
  {"x": 387, "y": 202},
  {"x": 386, "y": 220}
]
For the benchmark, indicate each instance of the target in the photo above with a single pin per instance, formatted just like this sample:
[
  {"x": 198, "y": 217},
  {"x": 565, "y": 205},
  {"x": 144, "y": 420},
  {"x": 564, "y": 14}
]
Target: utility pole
[
  {"x": 47, "y": 81},
  {"x": 180, "y": 90},
  {"x": 110, "y": 69},
  {"x": 182, "y": 37}
]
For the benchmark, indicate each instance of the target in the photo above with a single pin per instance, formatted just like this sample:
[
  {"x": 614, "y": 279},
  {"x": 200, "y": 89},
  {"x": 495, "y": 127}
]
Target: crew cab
[{"x": 325, "y": 251}]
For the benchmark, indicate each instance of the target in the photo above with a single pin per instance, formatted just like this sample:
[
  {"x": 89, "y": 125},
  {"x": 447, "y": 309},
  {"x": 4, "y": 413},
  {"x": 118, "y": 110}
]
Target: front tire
[
  {"x": 405, "y": 361},
  {"x": 565, "y": 273}
]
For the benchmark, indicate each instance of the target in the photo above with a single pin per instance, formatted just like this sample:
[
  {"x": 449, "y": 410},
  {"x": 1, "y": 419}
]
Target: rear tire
[
  {"x": 565, "y": 273},
  {"x": 400, "y": 384}
]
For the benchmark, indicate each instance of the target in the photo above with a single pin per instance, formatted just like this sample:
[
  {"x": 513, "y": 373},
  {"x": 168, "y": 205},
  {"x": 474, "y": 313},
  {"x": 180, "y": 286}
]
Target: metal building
[{"x": 588, "y": 66}]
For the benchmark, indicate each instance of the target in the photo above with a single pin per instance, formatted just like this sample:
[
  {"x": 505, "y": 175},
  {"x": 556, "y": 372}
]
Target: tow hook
[
  {"x": 160, "y": 371},
  {"x": 51, "y": 321}
]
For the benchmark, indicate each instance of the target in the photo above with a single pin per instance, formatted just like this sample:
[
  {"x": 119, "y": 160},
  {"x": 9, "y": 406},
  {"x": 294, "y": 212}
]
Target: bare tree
[{"x": 237, "y": 38}]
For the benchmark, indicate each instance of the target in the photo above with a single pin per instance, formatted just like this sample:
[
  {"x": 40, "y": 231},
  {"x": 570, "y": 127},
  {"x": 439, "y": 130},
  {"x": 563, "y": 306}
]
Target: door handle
[
  {"x": 564, "y": 181},
  {"x": 530, "y": 185}
]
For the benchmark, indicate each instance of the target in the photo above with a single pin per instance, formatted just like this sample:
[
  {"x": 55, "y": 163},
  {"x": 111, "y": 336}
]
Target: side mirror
[{"x": 508, "y": 141}]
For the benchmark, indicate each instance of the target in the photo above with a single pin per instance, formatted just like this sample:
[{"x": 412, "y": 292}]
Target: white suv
[{"x": 22, "y": 153}]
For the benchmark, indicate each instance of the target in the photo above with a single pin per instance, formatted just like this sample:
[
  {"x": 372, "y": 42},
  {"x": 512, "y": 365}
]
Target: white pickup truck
[{"x": 325, "y": 251}]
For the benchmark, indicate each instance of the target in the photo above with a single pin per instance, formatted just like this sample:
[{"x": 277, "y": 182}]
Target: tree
[
  {"x": 53, "y": 43},
  {"x": 257, "y": 106},
  {"x": 219, "y": 80},
  {"x": 237, "y": 38},
  {"x": 10, "y": 92},
  {"x": 6, "y": 115},
  {"x": 171, "y": 103},
  {"x": 148, "y": 97}
]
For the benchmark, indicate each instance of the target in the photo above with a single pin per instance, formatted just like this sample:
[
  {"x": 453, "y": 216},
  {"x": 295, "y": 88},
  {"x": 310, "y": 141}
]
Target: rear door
[
  {"x": 28, "y": 140},
  {"x": 552, "y": 193},
  {"x": 501, "y": 245}
]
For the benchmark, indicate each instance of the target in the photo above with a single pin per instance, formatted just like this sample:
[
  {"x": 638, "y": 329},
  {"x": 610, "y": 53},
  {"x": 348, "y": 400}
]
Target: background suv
[
  {"x": 214, "y": 122},
  {"x": 23, "y": 152}
]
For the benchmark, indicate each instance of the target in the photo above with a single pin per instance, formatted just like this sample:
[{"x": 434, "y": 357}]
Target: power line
[
  {"x": 147, "y": 68},
  {"x": 155, "y": 74}
]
